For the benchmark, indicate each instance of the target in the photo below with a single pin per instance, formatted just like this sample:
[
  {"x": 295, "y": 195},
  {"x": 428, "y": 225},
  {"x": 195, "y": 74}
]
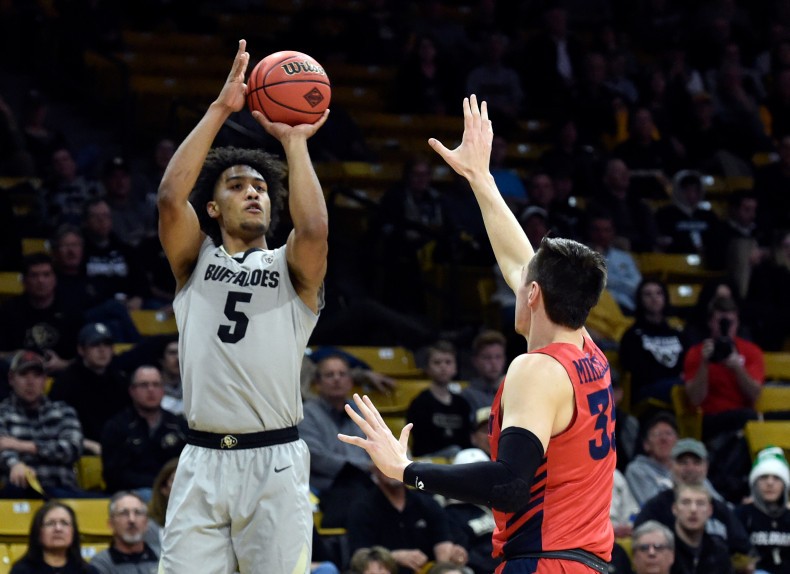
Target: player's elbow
[{"x": 511, "y": 496}]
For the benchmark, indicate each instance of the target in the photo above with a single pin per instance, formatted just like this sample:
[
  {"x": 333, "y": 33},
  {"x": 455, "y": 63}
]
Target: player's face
[
  {"x": 770, "y": 487},
  {"x": 652, "y": 555},
  {"x": 241, "y": 202},
  {"x": 57, "y": 529},
  {"x": 692, "y": 509},
  {"x": 441, "y": 367}
]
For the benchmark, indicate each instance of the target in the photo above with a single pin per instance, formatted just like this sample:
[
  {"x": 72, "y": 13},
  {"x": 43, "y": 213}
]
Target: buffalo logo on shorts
[{"x": 228, "y": 441}]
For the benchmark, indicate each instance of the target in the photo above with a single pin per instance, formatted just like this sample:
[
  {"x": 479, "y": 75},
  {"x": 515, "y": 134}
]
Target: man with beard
[{"x": 129, "y": 553}]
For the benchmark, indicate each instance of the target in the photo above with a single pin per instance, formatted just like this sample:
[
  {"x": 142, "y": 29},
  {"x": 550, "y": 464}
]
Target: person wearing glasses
[
  {"x": 138, "y": 441},
  {"x": 53, "y": 544},
  {"x": 129, "y": 553},
  {"x": 653, "y": 548}
]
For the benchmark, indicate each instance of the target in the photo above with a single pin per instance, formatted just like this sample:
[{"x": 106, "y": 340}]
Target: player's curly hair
[{"x": 221, "y": 158}]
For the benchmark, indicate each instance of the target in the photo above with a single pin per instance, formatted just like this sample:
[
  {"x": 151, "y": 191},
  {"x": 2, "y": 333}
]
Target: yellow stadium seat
[
  {"x": 396, "y": 362},
  {"x": 397, "y": 400},
  {"x": 16, "y": 550},
  {"x": 150, "y": 322},
  {"x": 16, "y": 515},
  {"x": 773, "y": 398},
  {"x": 34, "y": 245},
  {"x": 10, "y": 283},
  {"x": 689, "y": 417},
  {"x": 684, "y": 294},
  {"x": 777, "y": 366},
  {"x": 92, "y": 517},
  {"x": 5, "y": 559},
  {"x": 761, "y": 434},
  {"x": 89, "y": 473},
  {"x": 674, "y": 267}
]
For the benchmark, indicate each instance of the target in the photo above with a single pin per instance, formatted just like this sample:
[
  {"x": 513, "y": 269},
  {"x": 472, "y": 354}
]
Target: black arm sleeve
[{"x": 502, "y": 484}]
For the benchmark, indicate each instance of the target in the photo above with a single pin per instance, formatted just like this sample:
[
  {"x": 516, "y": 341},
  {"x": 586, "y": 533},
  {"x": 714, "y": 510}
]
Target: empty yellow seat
[
  {"x": 149, "y": 322},
  {"x": 689, "y": 417},
  {"x": 397, "y": 362},
  {"x": 89, "y": 473},
  {"x": 761, "y": 434},
  {"x": 777, "y": 366},
  {"x": 92, "y": 515},
  {"x": 773, "y": 398},
  {"x": 15, "y": 518}
]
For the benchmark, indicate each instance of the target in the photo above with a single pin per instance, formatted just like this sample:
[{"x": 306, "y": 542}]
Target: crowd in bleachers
[{"x": 655, "y": 131}]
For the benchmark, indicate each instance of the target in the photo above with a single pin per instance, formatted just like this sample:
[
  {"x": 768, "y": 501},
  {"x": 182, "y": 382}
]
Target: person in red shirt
[
  {"x": 550, "y": 477},
  {"x": 724, "y": 373}
]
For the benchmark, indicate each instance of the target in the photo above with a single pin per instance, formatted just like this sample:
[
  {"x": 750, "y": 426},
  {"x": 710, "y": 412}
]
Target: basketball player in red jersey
[{"x": 552, "y": 421}]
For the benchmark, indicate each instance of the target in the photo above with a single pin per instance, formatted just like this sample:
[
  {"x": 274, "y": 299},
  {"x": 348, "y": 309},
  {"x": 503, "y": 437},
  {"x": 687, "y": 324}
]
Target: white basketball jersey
[{"x": 242, "y": 335}]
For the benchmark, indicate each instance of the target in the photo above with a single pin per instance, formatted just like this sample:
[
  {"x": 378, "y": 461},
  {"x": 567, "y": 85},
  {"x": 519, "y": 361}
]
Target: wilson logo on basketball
[{"x": 293, "y": 68}]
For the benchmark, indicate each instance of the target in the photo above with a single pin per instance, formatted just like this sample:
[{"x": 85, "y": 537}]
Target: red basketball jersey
[{"x": 572, "y": 489}]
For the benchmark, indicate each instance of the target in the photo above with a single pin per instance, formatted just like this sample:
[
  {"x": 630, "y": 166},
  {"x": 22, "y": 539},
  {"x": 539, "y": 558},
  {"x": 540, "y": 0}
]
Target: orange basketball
[{"x": 289, "y": 87}]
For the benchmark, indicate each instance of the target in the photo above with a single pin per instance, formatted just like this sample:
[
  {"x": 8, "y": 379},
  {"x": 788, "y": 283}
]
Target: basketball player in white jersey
[{"x": 244, "y": 313}]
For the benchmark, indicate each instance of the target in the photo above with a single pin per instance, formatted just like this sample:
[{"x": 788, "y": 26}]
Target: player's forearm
[
  {"x": 508, "y": 240},
  {"x": 184, "y": 168},
  {"x": 306, "y": 201}
]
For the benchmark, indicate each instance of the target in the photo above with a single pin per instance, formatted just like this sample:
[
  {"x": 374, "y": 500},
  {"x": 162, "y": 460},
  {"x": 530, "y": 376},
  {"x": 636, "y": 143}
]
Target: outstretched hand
[
  {"x": 472, "y": 157},
  {"x": 386, "y": 452},
  {"x": 234, "y": 92}
]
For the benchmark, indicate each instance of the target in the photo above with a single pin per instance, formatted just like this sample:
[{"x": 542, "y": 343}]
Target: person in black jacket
[
  {"x": 652, "y": 350},
  {"x": 696, "y": 551},
  {"x": 91, "y": 384},
  {"x": 140, "y": 439}
]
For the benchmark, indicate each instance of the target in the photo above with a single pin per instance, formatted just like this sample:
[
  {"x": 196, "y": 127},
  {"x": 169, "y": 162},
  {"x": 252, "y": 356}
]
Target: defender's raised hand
[
  {"x": 386, "y": 452},
  {"x": 472, "y": 157}
]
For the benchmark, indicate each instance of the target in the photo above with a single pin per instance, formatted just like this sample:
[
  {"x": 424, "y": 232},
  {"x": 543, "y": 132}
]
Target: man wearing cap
[
  {"x": 767, "y": 517},
  {"x": 690, "y": 466},
  {"x": 40, "y": 439},
  {"x": 91, "y": 385}
]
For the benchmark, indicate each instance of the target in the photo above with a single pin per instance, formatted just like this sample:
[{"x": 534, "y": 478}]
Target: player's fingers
[
  {"x": 374, "y": 411},
  {"x": 484, "y": 110},
  {"x": 355, "y": 440},
  {"x": 322, "y": 120},
  {"x": 359, "y": 420},
  {"x": 404, "y": 435},
  {"x": 438, "y": 147},
  {"x": 367, "y": 413}
]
